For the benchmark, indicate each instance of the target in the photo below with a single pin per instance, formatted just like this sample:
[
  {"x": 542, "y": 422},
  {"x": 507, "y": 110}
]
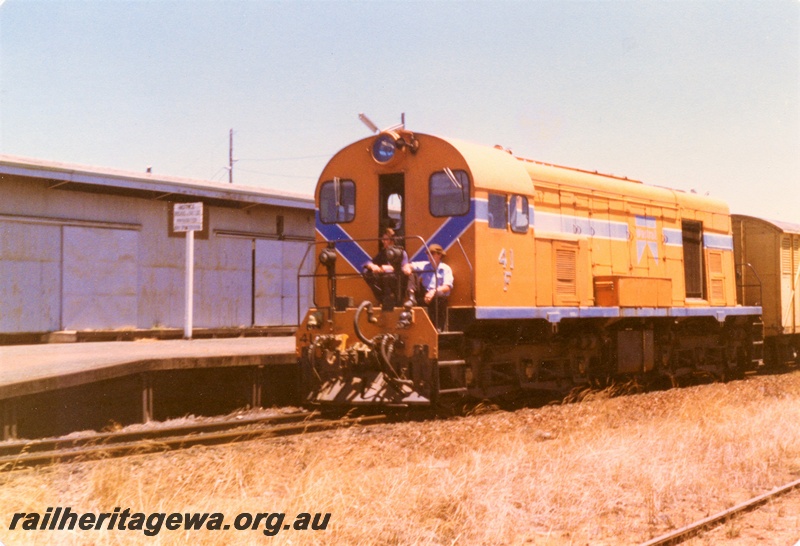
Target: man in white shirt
[{"x": 434, "y": 285}]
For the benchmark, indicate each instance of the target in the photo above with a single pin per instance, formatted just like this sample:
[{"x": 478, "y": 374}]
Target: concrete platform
[
  {"x": 30, "y": 369},
  {"x": 54, "y": 389},
  {"x": 133, "y": 334}
]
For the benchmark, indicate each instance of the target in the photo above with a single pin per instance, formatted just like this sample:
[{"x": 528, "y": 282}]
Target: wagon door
[{"x": 790, "y": 278}]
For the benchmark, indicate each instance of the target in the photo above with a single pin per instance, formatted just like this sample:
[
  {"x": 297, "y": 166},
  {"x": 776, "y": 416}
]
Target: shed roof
[{"x": 149, "y": 186}]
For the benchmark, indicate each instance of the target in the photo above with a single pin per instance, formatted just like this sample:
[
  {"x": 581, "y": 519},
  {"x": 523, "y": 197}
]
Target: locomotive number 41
[{"x": 506, "y": 259}]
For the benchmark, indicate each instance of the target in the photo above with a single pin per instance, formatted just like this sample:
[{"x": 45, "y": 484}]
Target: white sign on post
[{"x": 188, "y": 217}]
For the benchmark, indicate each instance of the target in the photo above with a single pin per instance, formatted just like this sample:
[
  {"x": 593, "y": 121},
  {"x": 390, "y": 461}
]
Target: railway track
[
  {"x": 25, "y": 454},
  {"x": 679, "y": 535},
  {"x": 16, "y": 455}
]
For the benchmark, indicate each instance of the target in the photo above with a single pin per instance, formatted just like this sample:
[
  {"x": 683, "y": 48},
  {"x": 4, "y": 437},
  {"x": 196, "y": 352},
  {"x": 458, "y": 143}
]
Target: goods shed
[{"x": 86, "y": 248}]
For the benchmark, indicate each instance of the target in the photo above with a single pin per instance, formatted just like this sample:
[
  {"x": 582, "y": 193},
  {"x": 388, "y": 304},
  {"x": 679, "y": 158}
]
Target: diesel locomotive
[{"x": 562, "y": 277}]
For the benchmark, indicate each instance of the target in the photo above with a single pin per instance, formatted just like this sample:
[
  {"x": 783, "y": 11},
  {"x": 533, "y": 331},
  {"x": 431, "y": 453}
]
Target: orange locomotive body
[{"x": 562, "y": 277}]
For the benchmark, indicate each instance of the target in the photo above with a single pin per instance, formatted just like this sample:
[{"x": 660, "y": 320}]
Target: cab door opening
[
  {"x": 391, "y": 203},
  {"x": 693, "y": 263}
]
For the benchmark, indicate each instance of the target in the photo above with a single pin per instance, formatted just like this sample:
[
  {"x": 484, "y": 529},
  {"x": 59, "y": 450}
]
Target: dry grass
[{"x": 605, "y": 471}]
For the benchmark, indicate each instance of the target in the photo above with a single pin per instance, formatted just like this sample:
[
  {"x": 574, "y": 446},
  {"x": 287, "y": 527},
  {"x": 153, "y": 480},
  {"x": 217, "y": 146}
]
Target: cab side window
[
  {"x": 449, "y": 193},
  {"x": 497, "y": 211},
  {"x": 337, "y": 201},
  {"x": 518, "y": 213}
]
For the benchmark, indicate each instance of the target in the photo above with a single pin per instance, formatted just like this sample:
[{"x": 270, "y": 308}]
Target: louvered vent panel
[
  {"x": 796, "y": 245},
  {"x": 717, "y": 290},
  {"x": 716, "y": 277},
  {"x": 715, "y": 262},
  {"x": 565, "y": 272},
  {"x": 786, "y": 255}
]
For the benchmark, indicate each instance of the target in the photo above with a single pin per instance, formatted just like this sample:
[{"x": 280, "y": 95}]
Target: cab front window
[
  {"x": 337, "y": 201},
  {"x": 449, "y": 193}
]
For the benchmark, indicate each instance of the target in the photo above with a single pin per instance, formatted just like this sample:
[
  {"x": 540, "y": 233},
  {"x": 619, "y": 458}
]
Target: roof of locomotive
[
  {"x": 783, "y": 227},
  {"x": 615, "y": 185},
  {"x": 497, "y": 169},
  {"x": 493, "y": 168},
  {"x": 485, "y": 162}
]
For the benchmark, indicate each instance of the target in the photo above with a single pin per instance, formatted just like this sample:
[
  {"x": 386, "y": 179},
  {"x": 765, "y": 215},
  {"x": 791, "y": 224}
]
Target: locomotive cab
[{"x": 354, "y": 347}]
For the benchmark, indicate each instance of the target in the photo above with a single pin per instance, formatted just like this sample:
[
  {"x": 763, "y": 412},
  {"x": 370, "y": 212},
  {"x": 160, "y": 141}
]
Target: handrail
[
  {"x": 334, "y": 242},
  {"x": 471, "y": 271},
  {"x": 740, "y": 275},
  {"x": 299, "y": 276},
  {"x": 327, "y": 243}
]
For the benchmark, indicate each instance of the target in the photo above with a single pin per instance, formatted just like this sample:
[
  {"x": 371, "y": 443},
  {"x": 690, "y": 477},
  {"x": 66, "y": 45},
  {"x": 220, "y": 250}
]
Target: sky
[{"x": 693, "y": 95}]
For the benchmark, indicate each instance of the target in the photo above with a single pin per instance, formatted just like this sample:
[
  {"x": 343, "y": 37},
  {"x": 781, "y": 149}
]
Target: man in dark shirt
[{"x": 386, "y": 283}]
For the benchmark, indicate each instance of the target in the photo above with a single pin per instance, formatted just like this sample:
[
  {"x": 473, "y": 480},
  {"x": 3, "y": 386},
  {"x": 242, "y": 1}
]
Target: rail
[
  {"x": 679, "y": 535},
  {"x": 22, "y": 454}
]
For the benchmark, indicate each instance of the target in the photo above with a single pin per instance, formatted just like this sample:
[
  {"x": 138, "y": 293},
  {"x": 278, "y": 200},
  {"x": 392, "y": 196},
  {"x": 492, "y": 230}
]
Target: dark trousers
[
  {"x": 437, "y": 311},
  {"x": 437, "y": 308},
  {"x": 388, "y": 288}
]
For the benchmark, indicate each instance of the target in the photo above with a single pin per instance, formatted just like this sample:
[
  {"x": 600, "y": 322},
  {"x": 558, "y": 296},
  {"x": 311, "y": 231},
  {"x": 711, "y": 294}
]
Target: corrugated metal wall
[
  {"x": 99, "y": 274},
  {"x": 76, "y": 261},
  {"x": 30, "y": 277},
  {"x": 276, "y": 281},
  {"x": 223, "y": 266}
]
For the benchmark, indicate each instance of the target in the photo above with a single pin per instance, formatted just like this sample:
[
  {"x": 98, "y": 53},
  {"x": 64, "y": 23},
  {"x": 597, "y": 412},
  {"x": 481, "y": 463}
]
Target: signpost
[{"x": 188, "y": 217}]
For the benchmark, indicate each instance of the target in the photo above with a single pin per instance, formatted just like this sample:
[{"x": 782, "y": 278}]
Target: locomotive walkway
[{"x": 34, "y": 378}]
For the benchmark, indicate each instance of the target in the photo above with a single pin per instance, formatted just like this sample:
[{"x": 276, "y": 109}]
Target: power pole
[{"x": 230, "y": 159}]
